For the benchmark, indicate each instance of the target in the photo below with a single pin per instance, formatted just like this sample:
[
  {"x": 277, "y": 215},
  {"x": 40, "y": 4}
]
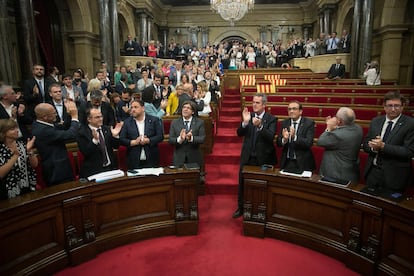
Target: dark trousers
[{"x": 252, "y": 162}]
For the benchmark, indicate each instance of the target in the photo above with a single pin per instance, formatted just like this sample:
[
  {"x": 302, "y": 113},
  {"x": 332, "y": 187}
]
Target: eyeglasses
[
  {"x": 293, "y": 108},
  {"x": 395, "y": 106}
]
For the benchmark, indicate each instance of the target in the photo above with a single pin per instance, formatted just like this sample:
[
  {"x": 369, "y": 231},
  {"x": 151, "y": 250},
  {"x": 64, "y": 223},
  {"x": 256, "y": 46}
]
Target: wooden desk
[
  {"x": 47, "y": 230},
  {"x": 371, "y": 235}
]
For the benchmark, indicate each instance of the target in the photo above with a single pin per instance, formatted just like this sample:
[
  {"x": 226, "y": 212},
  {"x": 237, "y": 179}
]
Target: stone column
[
  {"x": 5, "y": 47},
  {"x": 164, "y": 31},
  {"x": 262, "y": 33},
  {"x": 321, "y": 23},
  {"x": 83, "y": 47},
  {"x": 274, "y": 33},
  {"x": 327, "y": 20},
  {"x": 29, "y": 51},
  {"x": 366, "y": 33},
  {"x": 392, "y": 38},
  {"x": 105, "y": 28},
  {"x": 307, "y": 29},
  {"x": 115, "y": 34},
  {"x": 355, "y": 40},
  {"x": 149, "y": 26},
  {"x": 144, "y": 27},
  {"x": 204, "y": 35},
  {"x": 193, "y": 34}
]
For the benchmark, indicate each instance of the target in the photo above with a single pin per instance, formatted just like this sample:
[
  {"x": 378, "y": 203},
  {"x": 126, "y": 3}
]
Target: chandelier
[{"x": 232, "y": 10}]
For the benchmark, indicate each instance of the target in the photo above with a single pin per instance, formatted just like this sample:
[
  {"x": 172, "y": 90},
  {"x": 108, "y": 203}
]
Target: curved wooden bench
[
  {"x": 45, "y": 231},
  {"x": 371, "y": 235}
]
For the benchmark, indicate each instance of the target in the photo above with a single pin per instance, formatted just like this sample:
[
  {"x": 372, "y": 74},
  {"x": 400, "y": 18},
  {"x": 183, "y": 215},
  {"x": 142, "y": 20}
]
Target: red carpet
[{"x": 219, "y": 249}]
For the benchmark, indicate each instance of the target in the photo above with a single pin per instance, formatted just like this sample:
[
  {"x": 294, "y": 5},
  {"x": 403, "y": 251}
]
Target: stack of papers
[
  {"x": 106, "y": 175},
  {"x": 146, "y": 171},
  {"x": 304, "y": 174}
]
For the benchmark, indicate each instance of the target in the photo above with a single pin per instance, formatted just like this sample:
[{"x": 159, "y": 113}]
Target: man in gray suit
[
  {"x": 186, "y": 134},
  {"x": 389, "y": 163},
  {"x": 342, "y": 141}
]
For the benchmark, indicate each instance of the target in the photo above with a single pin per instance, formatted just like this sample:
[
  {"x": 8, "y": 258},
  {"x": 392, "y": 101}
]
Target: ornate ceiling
[{"x": 207, "y": 2}]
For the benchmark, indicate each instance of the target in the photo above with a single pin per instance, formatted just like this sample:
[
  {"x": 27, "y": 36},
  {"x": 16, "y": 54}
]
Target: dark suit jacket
[
  {"x": 93, "y": 158},
  {"x": 187, "y": 152},
  {"x": 265, "y": 148},
  {"x": 131, "y": 49},
  {"x": 65, "y": 121},
  {"x": 106, "y": 110},
  {"x": 397, "y": 153},
  {"x": 333, "y": 72},
  {"x": 153, "y": 130},
  {"x": 22, "y": 121},
  {"x": 30, "y": 99},
  {"x": 51, "y": 146},
  {"x": 341, "y": 157},
  {"x": 302, "y": 145}
]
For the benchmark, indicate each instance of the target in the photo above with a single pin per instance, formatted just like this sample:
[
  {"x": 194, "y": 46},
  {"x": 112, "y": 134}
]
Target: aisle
[
  {"x": 222, "y": 165},
  {"x": 220, "y": 249}
]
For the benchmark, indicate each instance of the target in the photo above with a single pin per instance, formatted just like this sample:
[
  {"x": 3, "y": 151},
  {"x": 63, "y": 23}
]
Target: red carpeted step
[
  {"x": 231, "y": 111},
  {"x": 232, "y": 103},
  {"x": 222, "y": 178}
]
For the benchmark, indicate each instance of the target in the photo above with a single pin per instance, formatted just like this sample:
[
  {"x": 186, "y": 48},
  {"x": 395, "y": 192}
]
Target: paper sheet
[
  {"x": 146, "y": 171},
  {"x": 304, "y": 174}
]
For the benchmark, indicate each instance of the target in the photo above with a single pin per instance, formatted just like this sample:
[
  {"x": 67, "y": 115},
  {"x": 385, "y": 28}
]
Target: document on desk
[
  {"x": 146, "y": 171},
  {"x": 106, "y": 175},
  {"x": 304, "y": 174}
]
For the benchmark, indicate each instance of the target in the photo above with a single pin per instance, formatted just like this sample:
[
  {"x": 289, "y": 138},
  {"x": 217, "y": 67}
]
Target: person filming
[{"x": 372, "y": 73}]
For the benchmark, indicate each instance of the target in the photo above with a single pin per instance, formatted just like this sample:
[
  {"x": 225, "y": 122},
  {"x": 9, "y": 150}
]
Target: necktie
[
  {"x": 291, "y": 146},
  {"x": 337, "y": 66},
  {"x": 187, "y": 126},
  {"x": 42, "y": 91},
  {"x": 387, "y": 131},
  {"x": 103, "y": 148}
]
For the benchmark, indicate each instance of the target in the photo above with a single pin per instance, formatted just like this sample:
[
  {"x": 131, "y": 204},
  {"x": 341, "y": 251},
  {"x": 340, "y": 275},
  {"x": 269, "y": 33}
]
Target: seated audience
[
  {"x": 96, "y": 143},
  {"x": 342, "y": 142},
  {"x": 144, "y": 81},
  {"x": 337, "y": 70},
  {"x": 17, "y": 161},
  {"x": 296, "y": 138},
  {"x": 390, "y": 145},
  {"x": 141, "y": 134},
  {"x": 51, "y": 143},
  {"x": 186, "y": 134}
]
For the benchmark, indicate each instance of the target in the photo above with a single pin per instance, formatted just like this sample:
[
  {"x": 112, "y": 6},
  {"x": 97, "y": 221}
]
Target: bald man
[
  {"x": 51, "y": 142},
  {"x": 342, "y": 142}
]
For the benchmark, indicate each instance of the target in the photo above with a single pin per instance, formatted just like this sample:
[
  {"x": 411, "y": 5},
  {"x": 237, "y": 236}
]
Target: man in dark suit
[
  {"x": 130, "y": 47},
  {"x": 337, "y": 70},
  {"x": 258, "y": 129},
  {"x": 390, "y": 152},
  {"x": 96, "y": 102},
  {"x": 51, "y": 143},
  {"x": 342, "y": 142},
  {"x": 187, "y": 133},
  {"x": 35, "y": 89},
  {"x": 296, "y": 138},
  {"x": 141, "y": 134},
  {"x": 96, "y": 143},
  {"x": 11, "y": 109},
  {"x": 63, "y": 119}
]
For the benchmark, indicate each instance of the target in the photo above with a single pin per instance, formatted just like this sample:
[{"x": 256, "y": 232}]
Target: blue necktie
[{"x": 387, "y": 131}]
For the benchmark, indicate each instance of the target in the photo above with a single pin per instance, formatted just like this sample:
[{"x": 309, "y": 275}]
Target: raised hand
[
  {"x": 117, "y": 129},
  {"x": 246, "y": 115},
  {"x": 30, "y": 143}
]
